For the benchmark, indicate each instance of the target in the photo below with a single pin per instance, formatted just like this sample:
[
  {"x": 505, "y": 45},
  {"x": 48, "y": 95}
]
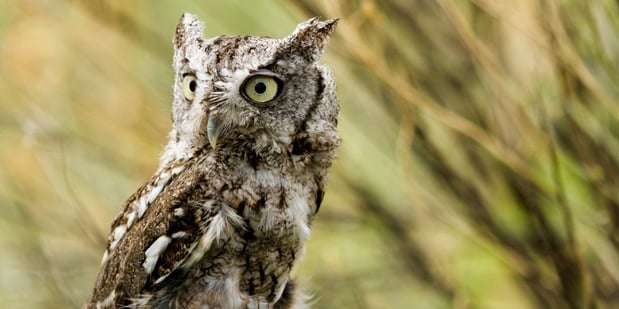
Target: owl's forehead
[{"x": 239, "y": 52}]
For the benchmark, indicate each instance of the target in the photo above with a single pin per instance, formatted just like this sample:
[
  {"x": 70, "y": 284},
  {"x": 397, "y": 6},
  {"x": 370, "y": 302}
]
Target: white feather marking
[
  {"x": 240, "y": 75},
  {"x": 225, "y": 292},
  {"x": 106, "y": 254},
  {"x": 154, "y": 251},
  {"x": 164, "y": 174},
  {"x": 299, "y": 209},
  {"x": 230, "y": 80},
  {"x": 140, "y": 301},
  {"x": 154, "y": 192},
  {"x": 179, "y": 234},
  {"x": 179, "y": 212},
  {"x": 162, "y": 278},
  {"x": 219, "y": 228},
  {"x": 142, "y": 206},
  {"x": 233, "y": 299},
  {"x": 268, "y": 178},
  {"x": 269, "y": 218},
  {"x": 130, "y": 219},
  {"x": 118, "y": 234},
  {"x": 178, "y": 169},
  {"x": 284, "y": 139},
  {"x": 152, "y": 195},
  {"x": 108, "y": 302},
  {"x": 175, "y": 150},
  {"x": 205, "y": 241},
  {"x": 203, "y": 76},
  {"x": 193, "y": 120},
  {"x": 222, "y": 85},
  {"x": 224, "y": 72}
]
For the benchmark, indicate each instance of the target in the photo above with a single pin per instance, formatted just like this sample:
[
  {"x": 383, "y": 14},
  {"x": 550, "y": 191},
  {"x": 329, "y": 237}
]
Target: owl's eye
[
  {"x": 190, "y": 83},
  {"x": 261, "y": 88}
]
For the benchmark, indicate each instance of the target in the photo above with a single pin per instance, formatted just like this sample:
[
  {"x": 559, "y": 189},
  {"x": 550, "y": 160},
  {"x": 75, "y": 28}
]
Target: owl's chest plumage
[{"x": 265, "y": 213}]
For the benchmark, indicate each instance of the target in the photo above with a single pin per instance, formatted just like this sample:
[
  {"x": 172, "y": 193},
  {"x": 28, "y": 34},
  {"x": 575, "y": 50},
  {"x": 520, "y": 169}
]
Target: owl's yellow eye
[
  {"x": 261, "y": 88},
  {"x": 190, "y": 84}
]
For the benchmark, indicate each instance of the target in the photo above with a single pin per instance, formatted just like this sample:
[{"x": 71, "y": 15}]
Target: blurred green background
[{"x": 479, "y": 166}]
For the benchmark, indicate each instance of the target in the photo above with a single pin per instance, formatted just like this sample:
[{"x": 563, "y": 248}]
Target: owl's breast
[
  {"x": 258, "y": 256},
  {"x": 277, "y": 228}
]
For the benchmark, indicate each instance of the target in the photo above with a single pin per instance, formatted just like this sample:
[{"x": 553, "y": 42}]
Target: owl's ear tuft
[
  {"x": 310, "y": 38},
  {"x": 189, "y": 29}
]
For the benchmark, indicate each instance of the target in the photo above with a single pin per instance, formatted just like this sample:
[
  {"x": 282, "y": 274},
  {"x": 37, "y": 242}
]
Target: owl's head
[{"x": 252, "y": 93}]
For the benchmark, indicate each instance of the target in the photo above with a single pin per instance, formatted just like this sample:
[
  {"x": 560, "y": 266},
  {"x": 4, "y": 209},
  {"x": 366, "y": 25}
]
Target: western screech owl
[{"x": 227, "y": 214}]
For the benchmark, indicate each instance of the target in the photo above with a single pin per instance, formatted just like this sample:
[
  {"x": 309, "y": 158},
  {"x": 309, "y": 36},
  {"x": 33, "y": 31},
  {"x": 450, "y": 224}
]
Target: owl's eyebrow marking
[
  {"x": 263, "y": 71},
  {"x": 270, "y": 65}
]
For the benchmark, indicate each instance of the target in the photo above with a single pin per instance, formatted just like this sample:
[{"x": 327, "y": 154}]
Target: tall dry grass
[{"x": 479, "y": 169}]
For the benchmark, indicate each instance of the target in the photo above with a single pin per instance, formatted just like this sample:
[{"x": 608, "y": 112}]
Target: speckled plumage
[{"x": 226, "y": 216}]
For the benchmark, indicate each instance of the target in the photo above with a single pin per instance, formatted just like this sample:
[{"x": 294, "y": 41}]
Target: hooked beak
[{"x": 213, "y": 130}]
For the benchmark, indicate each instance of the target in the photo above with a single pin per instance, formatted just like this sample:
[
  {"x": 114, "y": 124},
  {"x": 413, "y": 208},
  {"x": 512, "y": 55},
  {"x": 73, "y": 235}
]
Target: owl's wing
[{"x": 163, "y": 227}]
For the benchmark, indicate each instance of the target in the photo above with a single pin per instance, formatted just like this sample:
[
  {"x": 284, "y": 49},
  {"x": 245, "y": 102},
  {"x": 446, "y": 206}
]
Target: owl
[{"x": 228, "y": 212}]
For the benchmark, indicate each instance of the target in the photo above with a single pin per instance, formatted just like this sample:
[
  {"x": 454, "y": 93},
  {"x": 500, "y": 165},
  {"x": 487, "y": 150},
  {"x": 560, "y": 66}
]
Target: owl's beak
[{"x": 213, "y": 130}]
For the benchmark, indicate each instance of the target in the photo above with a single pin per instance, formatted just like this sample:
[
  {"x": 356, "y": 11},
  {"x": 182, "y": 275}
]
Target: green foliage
[{"x": 480, "y": 163}]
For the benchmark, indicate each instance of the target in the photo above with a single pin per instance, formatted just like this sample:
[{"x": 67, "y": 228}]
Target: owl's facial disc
[{"x": 260, "y": 89}]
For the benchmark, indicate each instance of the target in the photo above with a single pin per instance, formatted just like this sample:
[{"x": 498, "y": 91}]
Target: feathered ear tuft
[
  {"x": 310, "y": 38},
  {"x": 189, "y": 29}
]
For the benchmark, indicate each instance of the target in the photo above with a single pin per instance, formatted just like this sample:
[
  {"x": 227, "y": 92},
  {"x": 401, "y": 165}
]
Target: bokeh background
[{"x": 479, "y": 165}]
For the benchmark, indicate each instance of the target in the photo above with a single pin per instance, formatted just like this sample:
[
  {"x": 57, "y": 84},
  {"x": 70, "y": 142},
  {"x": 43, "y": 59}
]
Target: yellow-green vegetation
[{"x": 479, "y": 166}]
